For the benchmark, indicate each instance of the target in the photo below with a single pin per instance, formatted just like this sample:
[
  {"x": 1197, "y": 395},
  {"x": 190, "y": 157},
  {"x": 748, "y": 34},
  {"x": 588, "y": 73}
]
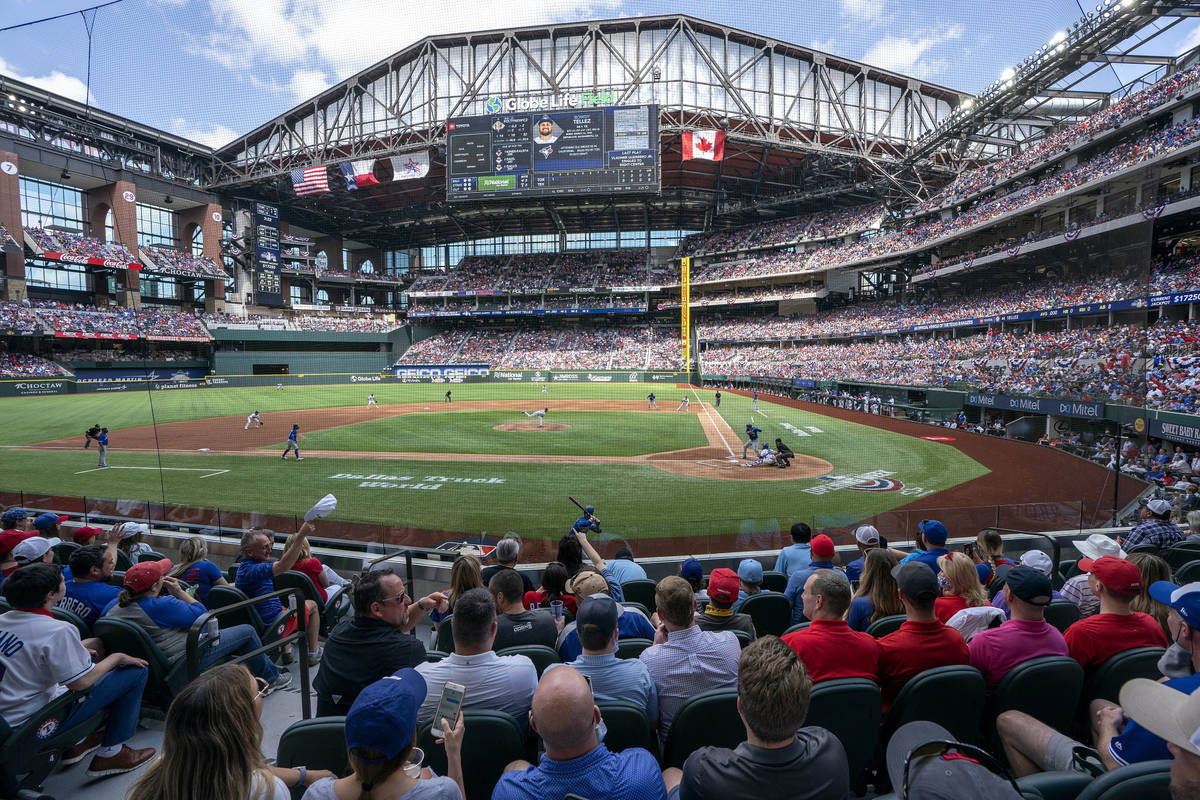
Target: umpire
[
  {"x": 783, "y": 455},
  {"x": 90, "y": 434}
]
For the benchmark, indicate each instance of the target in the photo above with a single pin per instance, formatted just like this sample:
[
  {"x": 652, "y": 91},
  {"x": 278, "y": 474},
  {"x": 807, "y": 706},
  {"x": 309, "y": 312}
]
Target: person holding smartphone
[{"x": 381, "y": 733}]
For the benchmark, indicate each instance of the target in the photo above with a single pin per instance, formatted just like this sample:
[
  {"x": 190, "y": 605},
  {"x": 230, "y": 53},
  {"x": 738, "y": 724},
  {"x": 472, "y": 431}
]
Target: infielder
[
  {"x": 448, "y": 396},
  {"x": 371, "y": 401},
  {"x": 279, "y": 387},
  {"x": 717, "y": 398},
  {"x": 102, "y": 444},
  {"x": 89, "y": 435},
  {"x": 683, "y": 404},
  {"x": 544, "y": 390},
  {"x": 765, "y": 459},
  {"x": 751, "y": 438},
  {"x": 292, "y": 443},
  {"x": 254, "y": 420},
  {"x": 756, "y": 399},
  {"x": 652, "y": 404},
  {"x": 541, "y": 415}
]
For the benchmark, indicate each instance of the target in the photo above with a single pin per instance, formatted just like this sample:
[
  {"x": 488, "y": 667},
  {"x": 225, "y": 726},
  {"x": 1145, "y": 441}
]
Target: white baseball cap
[
  {"x": 32, "y": 549},
  {"x": 867, "y": 534},
  {"x": 133, "y": 529},
  {"x": 1098, "y": 545},
  {"x": 1158, "y": 507},
  {"x": 1038, "y": 560}
]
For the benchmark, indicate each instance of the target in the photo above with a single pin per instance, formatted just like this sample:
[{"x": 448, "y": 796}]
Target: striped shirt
[{"x": 690, "y": 661}]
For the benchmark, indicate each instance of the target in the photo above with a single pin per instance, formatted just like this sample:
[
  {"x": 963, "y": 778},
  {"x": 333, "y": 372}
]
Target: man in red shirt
[
  {"x": 1093, "y": 640},
  {"x": 828, "y": 647},
  {"x": 922, "y": 642}
]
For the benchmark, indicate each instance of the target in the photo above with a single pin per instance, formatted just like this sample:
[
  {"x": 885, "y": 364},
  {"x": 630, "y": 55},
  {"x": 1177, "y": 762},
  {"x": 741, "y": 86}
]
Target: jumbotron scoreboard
[{"x": 553, "y": 153}]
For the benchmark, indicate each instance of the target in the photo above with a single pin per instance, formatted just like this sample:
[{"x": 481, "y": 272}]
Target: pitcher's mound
[{"x": 526, "y": 427}]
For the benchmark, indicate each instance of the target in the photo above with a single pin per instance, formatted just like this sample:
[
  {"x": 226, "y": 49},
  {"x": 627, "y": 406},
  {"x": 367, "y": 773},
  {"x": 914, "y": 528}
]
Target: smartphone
[{"x": 449, "y": 706}]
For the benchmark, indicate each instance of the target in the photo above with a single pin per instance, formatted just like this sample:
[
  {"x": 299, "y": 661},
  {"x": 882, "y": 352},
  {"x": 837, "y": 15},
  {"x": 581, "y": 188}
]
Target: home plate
[
  {"x": 426, "y": 408},
  {"x": 202, "y": 449}
]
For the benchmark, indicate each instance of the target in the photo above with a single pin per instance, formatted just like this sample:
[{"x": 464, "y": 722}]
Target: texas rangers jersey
[{"x": 38, "y": 656}]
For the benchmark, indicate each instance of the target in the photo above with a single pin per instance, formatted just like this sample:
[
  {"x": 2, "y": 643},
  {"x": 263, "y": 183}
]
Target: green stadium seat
[
  {"x": 631, "y": 648},
  {"x": 799, "y": 626},
  {"x": 1064, "y": 785},
  {"x": 1144, "y": 548},
  {"x": 332, "y": 610},
  {"x": 165, "y": 677},
  {"x": 924, "y": 697},
  {"x": 640, "y": 590},
  {"x": 28, "y": 755},
  {"x": 445, "y": 634},
  {"x": 849, "y": 708},
  {"x": 771, "y": 613},
  {"x": 1107, "y": 679},
  {"x": 541, "y": 655},
  {"x": 491, "y": 742},
  {"x": 774, "y": 581},
  {"x": 1062, "y": 613},
  {"x": 627, "y": 726},
  {"x": 1188, "y": 572},
  {"x": 632, "y": 606},
  {"x": 435, "y": 655},
  {"x": 318, "y": 743},
  {"x": 708, "y": 718},
  {"x": 222, "y": 596},
  {"x": 743, "y": 638},
  {"x": 63, "y": 550},
  {"x": 1177, "y": 556},
  {"x": 1149, "y": 780},
  {"x": 70, "y": 616},
  {"x": 885, "y": 625},
  {"x": 151, "y": 556},
  {"x": 1046, "y": 689},
  {"x": 124, "y": 562}
]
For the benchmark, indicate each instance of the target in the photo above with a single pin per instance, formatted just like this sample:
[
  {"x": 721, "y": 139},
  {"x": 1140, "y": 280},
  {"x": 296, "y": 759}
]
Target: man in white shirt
[
  {"x": 499, "y": 683},
  {"x": 41, "y": 658}
]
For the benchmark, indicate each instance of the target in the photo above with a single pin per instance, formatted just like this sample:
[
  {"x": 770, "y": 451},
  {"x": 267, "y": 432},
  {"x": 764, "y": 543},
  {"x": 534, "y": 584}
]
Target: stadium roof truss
[
  {"x": 771, "y": 96},
  {"x": 1046, "y": 88}
]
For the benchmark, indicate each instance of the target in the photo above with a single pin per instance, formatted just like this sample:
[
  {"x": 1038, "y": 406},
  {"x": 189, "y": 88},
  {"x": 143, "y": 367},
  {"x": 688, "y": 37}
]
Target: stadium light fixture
[{"x": 1008, "y": 74}]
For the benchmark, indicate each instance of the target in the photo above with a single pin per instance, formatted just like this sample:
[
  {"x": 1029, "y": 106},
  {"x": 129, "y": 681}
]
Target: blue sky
[{"x": 211, "y": 69}]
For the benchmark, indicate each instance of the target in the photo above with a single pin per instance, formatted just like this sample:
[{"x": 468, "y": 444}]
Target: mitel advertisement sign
[{"x": 1038, "y": 405}]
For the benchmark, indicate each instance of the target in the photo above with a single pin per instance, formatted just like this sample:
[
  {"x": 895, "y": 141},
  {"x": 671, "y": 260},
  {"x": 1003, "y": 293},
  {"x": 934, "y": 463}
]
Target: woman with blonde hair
[
  {"x": 877, "y": 596},
  {"x": 1153, "y": 569},
  {"x": 195, "y": 568},
  {"x": 212, "y": 745},
  {"x": 988, "y": 554},
  {"x": 960, "y": 586},
  {"x": 465, "y": 575}
]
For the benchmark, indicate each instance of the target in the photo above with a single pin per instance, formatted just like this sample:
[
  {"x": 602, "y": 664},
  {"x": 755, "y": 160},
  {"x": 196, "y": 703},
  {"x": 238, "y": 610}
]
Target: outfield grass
[
  {"x": 592, "y": 433},
  {"x": 634, "y": 500}
]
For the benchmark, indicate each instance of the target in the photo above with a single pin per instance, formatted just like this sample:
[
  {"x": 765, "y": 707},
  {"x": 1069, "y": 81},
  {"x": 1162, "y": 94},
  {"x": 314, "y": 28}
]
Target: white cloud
[
  {"x": 911, "y": 55},
  {"x": 211, "y": 134},
  {"x": 870, "y": 11},
  {"x": 56, "y": 82},
  {"x": 306, "y": 83},
  {"x": 317, "y": 36}
]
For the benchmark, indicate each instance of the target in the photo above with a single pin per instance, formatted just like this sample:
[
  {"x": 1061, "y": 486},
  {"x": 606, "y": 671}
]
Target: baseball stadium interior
[{"x": 562, "y": 271}]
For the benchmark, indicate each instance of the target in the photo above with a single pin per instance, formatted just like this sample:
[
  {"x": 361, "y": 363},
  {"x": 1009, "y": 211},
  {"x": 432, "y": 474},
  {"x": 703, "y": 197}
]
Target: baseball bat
[{"x": 576, "y": 502}]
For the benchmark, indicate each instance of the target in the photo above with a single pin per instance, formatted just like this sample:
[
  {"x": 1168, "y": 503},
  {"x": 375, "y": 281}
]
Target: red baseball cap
[
  {"x": 821, "y": 547},
  {"x": 723, "y": 585},
  {"x": 82, "y": 534},
  {"x": 1117, "y": 574},
  {"x": 141, "y": 577},
  {"x": 11, "y": 538}
]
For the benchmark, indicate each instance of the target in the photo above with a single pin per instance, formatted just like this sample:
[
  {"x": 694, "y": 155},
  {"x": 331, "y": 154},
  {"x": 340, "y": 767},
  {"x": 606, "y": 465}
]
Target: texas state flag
[
  {"x": 359, "y": 174},
  {"x": 703, "y": 145}
]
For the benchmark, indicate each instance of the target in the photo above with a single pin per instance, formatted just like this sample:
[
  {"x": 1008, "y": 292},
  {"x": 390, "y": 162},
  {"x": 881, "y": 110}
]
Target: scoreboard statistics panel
[{"x": 553, "y": 153}]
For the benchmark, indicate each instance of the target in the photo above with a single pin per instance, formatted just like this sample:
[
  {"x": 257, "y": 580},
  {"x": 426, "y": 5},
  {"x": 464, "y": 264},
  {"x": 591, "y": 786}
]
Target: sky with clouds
[{"x": 211, "y": 69}]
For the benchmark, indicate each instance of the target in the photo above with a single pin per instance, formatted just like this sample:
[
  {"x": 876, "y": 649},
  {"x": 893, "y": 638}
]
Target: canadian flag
[{"x": 703, "y": 145}]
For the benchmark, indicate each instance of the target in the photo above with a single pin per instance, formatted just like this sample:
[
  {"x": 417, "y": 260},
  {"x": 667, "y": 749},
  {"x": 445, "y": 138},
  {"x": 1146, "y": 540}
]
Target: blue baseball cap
[
  {"x": 933, "y": 531},
  {"x": 48, "y": 519},
  {"x": 750, "y": 570},
  {"x": 1184, "y": 599},
  {"x": 384, "y": 716},
  {"x": 691, "y": 570},
  {"x": 13, "y": 516}
]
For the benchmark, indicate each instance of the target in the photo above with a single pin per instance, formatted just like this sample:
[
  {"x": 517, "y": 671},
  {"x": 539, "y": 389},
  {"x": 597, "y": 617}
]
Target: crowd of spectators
[
  {"x": 599, "y": 347},
  {"x": 1125, "y": 364},
  {"x": 45, "y": 315},
  {"x": 809, "y": 227},
  {"x": 536, "y": 272},
  {"x": 77, "y": 245},
  {"x": 1060, "y": 141},
  {"x": 300, "y": 322},
  {"x": 1180, "y": 273},
  {"x": 877, "y": 614},
  {"x": 109, "y": 354},
  {"x": 543, "y": 303},
  {"x": 175, "y": 262},
  {"x": 748, "y": 294},
  {"x": 927, "y": 308},
  {"x": 23, "y": 365}
]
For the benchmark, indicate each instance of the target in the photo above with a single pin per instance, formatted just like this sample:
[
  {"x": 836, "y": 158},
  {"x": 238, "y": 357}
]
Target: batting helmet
[
  {"x": 295, "y": 424},
  {"x": 589, "y": 509}
]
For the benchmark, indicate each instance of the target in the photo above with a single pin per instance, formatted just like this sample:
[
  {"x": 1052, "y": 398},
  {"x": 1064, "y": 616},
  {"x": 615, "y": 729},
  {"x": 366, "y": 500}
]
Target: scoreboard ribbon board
[
  {"x": 553, "y": 153},
  {"x": 685, "y": 311},
  {"x": 268, "y": 284}
]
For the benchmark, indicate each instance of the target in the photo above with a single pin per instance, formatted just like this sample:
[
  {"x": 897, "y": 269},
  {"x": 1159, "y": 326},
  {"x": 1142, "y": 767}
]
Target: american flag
[{"x": 310, "y": 180}]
